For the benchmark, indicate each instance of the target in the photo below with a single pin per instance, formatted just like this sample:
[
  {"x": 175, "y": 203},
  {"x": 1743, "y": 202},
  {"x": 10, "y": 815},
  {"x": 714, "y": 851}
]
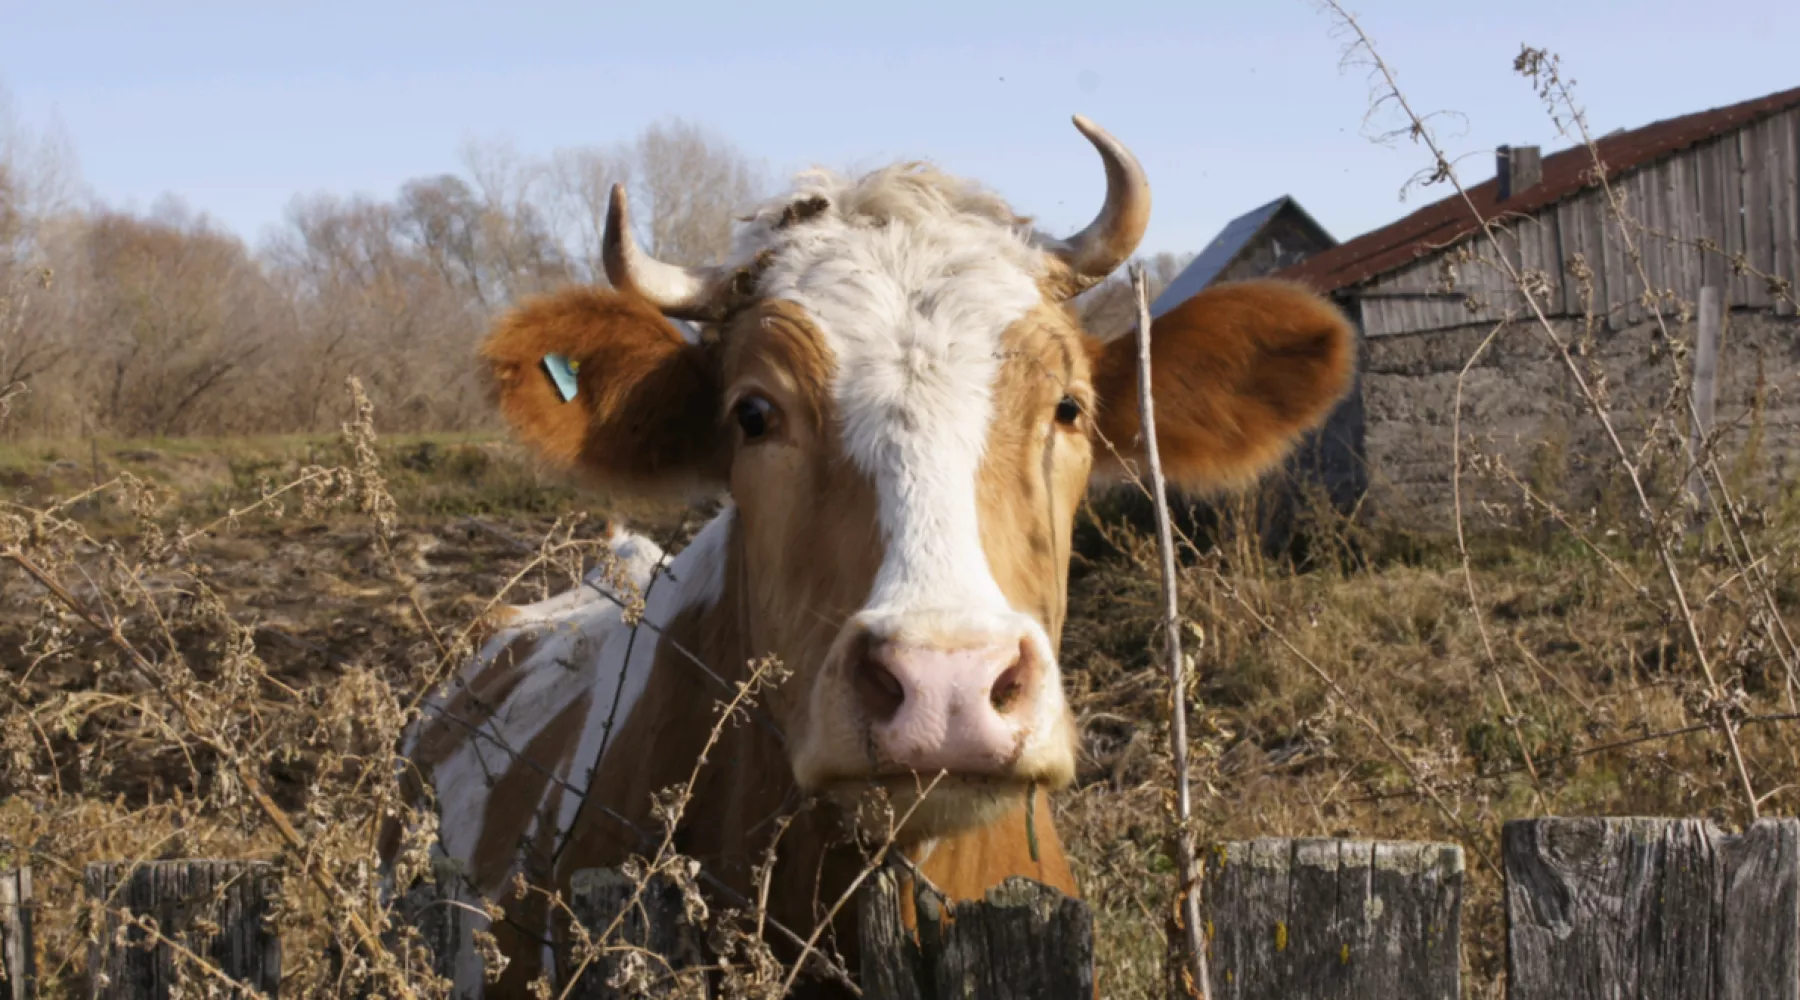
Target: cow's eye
[
  {"x": 755, "y": 417},
  {"x": 1068, "y": 411}
]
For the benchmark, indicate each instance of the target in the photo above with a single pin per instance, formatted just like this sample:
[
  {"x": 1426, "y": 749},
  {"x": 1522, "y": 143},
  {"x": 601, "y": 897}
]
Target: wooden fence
[{"x": 1651, "y": 909}]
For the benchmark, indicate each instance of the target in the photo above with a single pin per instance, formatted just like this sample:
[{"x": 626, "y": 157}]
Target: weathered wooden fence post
[
  {"x": 1293, "y": 919},
  {"x": 654, "y": 946},
  {"x": 1654, "y": 909},
  {"x": 18, "y": 978},
  {"x": 213, "y": 910},
  {"x": 441, "y": 915},
  {"x": 1025, "y": 940}
]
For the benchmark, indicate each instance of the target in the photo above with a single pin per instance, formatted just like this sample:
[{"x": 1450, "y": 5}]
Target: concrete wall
[{"x": 1521, "y": 404}]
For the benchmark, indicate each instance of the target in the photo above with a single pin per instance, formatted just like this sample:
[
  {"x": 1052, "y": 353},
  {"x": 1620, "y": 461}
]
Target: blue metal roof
[{"x": 1218, "y": 254}]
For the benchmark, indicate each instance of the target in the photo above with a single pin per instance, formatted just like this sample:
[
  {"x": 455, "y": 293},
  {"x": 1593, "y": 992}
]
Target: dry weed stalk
[{"x": 1193, "y": 979}]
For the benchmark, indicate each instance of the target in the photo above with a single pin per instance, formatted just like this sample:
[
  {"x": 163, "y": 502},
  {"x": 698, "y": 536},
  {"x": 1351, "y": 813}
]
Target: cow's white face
[
  {"x": 906, "y": 414},
  {"x": 908, "y": 449}
]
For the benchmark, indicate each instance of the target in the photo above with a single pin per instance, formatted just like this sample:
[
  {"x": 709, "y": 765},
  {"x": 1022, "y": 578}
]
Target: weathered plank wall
[{"x": 1741, "y": 191}]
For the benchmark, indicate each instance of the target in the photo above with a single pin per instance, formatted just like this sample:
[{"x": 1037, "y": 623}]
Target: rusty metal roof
[{"x": 1565, "y": 174}]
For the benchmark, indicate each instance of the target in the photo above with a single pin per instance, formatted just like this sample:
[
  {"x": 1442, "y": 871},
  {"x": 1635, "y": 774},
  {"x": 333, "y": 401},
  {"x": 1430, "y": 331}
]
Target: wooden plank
[
  {"x": 1568, "y": 242},
  {"x": 892, "y": 964},
  {"x": 1499, "y": 289},
  {"x": 1684, "y": 190},
  {"x": 1786, "y": 207},
  {"x": 1549, "y": 254},
  {"x": 1023, "y": 940},
  {"x": 1759, "y": 242},
  {"x": 1531, "y": 258},
  {"x": 432, "y": 931},
  {"x": 1653, "y": 235},
  {"x": 1601, "y": 229},
  {"x": 1731, "y": 190},
  {"x": 1655, "y": 241},
  {"x": 1334, "y": 918},
  {"x": 214, "y": 909},
  {"x": 1709, "y": 187},
  {"x": 654, "y": 924},
  {"x": 1738, "y": 187},
  {"x": 1652, "y": 909},
  {"x": 18, "y": 974}
]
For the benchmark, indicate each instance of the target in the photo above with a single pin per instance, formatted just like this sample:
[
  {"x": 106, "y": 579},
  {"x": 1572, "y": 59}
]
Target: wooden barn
[{"x": 1713, "y": 208}]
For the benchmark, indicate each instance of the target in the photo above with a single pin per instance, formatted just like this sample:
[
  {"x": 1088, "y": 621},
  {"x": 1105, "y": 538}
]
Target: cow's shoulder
[{"x": 499, "y": 741}]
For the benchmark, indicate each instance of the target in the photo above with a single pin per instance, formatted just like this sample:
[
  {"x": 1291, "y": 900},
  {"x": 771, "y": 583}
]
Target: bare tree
[
  {"x": 579, "y": 182},
  {"x": 178, "y": 328},
  {"x": 690, "y": 183}
]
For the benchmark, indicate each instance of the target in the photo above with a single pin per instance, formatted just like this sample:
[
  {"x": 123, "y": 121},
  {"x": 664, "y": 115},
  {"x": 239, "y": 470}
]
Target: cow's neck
[{"x": 742, "y": 796}]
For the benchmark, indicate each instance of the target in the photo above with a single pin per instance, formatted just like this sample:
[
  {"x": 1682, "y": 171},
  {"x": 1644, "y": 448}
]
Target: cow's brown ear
[
  {"x": 1238, "y": 373},
  {"x": 644, "y": 413}
]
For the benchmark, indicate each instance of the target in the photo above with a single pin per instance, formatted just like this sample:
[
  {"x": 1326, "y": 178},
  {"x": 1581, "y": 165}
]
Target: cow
[{"x": 888, "y": 388}]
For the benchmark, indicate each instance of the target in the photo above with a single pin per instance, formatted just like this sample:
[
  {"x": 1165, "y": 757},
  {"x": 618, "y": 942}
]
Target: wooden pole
[
  {"x": 18, "y": 976},
  {"x": 432, "y": 930},
  {"x": 1186, "y": 951},
  {"x": 1334, "y": 918},
  {"x": 212, "y": 911},
  {"x": 1653, "y": 909},
  {"x": 1023, "y": 941},
  {"x": 654, "y": 951}
]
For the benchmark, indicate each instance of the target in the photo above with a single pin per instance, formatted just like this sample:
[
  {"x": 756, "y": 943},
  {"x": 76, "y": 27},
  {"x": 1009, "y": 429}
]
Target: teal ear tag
[{"x": 562, "y": 372}]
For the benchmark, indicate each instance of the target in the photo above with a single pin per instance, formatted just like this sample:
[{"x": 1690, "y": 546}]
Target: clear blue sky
[{"x": 236, "y": 107}]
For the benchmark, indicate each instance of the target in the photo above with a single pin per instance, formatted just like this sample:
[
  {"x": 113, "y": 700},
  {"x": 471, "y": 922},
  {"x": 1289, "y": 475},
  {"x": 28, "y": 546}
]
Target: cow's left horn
[
  {"x": 682, "y": 292},
  {"x": 1111, "y": 238}
]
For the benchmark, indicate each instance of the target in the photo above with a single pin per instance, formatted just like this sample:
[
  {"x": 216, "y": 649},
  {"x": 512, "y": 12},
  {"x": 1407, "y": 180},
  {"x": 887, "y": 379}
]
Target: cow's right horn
[
  {"x": 1113, "y": 236},
  {"x": 697, "y": 293}
]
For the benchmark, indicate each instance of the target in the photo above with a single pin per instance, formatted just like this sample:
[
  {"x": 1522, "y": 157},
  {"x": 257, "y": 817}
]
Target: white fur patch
[
  {"x": 581, "y": 650},
  {"x": 912, "y": 293}
]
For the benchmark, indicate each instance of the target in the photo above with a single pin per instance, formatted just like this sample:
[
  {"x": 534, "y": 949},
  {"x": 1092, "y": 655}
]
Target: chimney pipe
[{"x": 1517, "y": 169}]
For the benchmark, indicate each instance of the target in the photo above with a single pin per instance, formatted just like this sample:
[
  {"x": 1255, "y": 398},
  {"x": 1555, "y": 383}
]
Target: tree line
[{"x": 164, "y": 323}]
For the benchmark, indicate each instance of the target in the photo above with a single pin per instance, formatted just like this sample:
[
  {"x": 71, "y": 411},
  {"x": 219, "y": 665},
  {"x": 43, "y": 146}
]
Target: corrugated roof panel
[
  {"x": 1224, "y": 247},
  {"x": 1565, "y": 174}
]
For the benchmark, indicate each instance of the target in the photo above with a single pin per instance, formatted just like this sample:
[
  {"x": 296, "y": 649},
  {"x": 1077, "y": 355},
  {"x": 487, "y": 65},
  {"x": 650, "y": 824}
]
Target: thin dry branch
[{"x": 1196, "y": 982}]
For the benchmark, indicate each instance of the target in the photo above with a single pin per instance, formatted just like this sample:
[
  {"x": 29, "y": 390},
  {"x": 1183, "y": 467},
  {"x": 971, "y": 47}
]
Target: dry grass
[
  {"x": 302, "y": 635},
  {"x": 211, "y": 647}
]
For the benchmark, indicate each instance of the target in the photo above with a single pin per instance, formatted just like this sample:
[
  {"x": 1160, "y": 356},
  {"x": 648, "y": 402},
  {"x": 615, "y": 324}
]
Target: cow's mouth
[{"x": 907, "y": 808}]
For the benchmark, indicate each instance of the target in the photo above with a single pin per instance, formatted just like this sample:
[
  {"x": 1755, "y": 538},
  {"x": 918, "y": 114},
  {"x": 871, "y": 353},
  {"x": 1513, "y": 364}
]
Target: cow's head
[{"x": 891, "y": 384}]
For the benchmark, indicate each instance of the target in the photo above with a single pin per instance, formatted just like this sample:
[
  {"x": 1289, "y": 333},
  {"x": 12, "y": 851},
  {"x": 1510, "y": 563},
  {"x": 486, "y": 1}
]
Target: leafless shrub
[{"x": 164, "y": 324}]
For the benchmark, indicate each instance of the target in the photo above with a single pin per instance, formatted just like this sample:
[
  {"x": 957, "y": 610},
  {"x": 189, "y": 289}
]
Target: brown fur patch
[
  {"x": 474, "y": 702},
  {"x": 1239, "y": 372},
  {"x": 645, "y": 415},
  {"x": 517, "y": 799}
]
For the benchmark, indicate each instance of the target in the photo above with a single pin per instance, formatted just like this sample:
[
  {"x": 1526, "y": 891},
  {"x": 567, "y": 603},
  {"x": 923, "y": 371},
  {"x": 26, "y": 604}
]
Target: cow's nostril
[
  {"x": 1006, "y": 689},
  {"x": 1010, "y": 686},
  {"x": 877, "y": 688}
]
